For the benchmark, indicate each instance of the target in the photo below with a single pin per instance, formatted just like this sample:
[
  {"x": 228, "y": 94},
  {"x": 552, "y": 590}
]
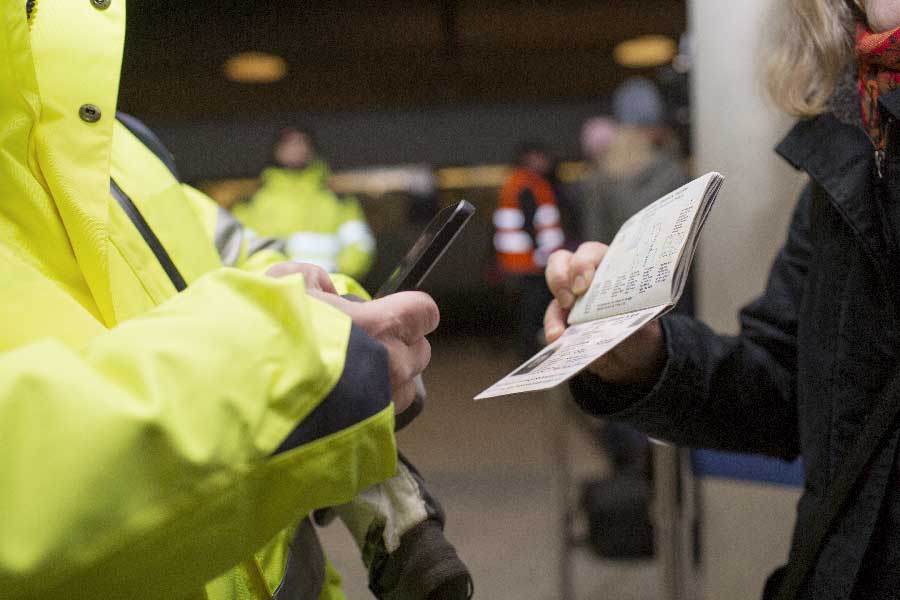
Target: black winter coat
[{"x": 813, "y": 353}]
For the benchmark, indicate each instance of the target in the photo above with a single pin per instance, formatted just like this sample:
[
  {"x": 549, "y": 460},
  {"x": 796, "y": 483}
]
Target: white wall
[{"x": 747, "y": 527}]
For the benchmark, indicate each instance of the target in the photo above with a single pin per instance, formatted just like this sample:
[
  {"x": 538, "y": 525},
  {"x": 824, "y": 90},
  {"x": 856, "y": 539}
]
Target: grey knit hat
[{"x": 638, "y": 102}]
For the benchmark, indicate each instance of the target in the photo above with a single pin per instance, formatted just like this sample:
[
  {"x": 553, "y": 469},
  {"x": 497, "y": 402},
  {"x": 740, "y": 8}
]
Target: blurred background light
[
  {"x": 646, "y": 51},
  {"x": 255, "y": 67}
]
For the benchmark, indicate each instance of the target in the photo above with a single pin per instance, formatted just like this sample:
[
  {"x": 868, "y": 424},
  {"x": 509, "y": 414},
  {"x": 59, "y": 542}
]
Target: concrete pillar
[
  {"x": 746, "y": 527},
  {"x": 735, "y": 129}
]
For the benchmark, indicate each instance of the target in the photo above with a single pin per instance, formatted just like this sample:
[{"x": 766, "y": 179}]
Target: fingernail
[
  {"x": 579, "y": 285},
  {"x": 566, "y": 299},
  {"x": 553, "y": 332}
]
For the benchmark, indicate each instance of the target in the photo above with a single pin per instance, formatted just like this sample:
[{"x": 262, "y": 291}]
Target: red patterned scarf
[{"x": 878, "y": 55}]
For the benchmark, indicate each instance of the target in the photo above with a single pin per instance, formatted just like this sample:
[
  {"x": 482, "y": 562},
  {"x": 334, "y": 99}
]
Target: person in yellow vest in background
[
  {"x": 175, "y": 397},
  {"x": 296, "y": 204}
]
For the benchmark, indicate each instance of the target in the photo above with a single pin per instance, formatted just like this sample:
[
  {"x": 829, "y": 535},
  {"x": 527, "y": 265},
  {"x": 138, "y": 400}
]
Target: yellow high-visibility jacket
[
  {"x": 151, "y": 440},
  {"x": 317, "y": 225}
]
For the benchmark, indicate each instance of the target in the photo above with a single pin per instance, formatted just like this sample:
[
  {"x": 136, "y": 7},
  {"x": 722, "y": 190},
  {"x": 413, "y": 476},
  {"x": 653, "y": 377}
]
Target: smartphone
[{"x": 428, "y": 249}]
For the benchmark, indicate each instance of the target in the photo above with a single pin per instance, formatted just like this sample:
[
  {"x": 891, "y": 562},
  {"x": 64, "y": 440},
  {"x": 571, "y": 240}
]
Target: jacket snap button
[
  {"x": 101, "y": 4},
  {"x": 90, "y": 113}
]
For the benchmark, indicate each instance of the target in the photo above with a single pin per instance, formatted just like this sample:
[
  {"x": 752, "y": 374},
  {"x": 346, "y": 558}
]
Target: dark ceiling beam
[
  {"x": 384, "y": 81},
  {"x": 387, "y": 53}
]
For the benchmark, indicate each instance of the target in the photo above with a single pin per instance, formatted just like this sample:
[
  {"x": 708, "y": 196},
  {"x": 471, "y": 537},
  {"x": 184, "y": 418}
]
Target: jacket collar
[
  {"x": 315, "y": 174},
  {"x": 837, "y": 156},
  {"x": 840, "y": 159}
]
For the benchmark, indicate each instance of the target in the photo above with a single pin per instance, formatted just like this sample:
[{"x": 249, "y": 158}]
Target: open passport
[{"x": 641, "y": 277}]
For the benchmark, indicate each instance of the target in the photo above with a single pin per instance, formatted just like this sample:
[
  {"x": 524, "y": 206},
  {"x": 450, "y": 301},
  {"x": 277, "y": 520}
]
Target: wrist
[{"x": 636, "y": 361}]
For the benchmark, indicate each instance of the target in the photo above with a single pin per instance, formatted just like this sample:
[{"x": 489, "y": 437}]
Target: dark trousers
[{"x": 531, "y": 297}]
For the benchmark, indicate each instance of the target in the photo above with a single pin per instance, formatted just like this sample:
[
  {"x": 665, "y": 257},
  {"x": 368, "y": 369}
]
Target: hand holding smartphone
[{"x": 411, "y": 271}]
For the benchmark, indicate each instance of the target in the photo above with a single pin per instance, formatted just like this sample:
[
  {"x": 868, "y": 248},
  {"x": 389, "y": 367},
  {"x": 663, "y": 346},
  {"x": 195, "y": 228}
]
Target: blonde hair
[{"x": 811, "y": 46}]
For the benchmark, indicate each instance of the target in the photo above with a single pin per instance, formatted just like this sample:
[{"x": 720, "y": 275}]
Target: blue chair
[
  {"x": 677, "y": 472},
  {"x": 746, "y": 467}
]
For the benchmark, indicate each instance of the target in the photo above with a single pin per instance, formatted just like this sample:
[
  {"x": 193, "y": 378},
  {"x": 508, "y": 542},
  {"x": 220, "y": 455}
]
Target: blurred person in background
[
  {"x": 597, "y": 135},
  {"x": 633, "y": 164},
  {"x": 632, "y": 160},
  {"x": 176, "y": 396},
  {"x": 527, "y": 230},
  {"x": 808, "y": 375},
  {"x": 296, "y": 204}
]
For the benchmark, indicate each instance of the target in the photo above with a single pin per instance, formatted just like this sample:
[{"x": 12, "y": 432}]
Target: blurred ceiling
[{"x": 343, "y": 54}]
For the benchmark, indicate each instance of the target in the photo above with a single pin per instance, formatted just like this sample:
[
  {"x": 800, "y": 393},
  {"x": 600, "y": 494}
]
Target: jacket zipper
[
  {"x": 888, "y": 236},
  {"x": 879, "y": 151}
]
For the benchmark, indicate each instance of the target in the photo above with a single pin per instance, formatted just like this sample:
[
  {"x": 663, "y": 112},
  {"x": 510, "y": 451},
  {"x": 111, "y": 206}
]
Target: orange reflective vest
[{"x": 527, "y": 224}]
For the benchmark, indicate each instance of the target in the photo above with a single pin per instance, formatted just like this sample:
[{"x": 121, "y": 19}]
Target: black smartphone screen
[{"x": 428, "y": 249}]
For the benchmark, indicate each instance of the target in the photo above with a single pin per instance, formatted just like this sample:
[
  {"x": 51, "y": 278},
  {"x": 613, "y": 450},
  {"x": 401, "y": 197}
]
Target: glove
[{"x": 399, "y": 528}]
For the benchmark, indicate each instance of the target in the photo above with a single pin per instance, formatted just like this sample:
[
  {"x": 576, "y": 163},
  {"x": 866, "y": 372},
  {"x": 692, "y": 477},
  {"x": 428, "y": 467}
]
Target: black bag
[{"x": 618, "y": 515}]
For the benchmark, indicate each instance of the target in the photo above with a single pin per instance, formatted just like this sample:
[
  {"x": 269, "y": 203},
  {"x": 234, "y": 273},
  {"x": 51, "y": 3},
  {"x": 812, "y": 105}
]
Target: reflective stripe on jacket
[
  {"x": 316, "y": 225},
  {"x": 138, "y": 424},
  {"x": 527, "y": 223}
]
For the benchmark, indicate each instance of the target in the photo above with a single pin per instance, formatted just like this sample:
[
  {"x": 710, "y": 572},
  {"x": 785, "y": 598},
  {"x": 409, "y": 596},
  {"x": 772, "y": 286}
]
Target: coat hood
[{"x": 59, "y": 81}]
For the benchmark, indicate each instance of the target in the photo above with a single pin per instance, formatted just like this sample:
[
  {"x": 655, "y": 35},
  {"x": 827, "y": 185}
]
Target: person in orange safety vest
[{"x": 527, "y": 230}]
